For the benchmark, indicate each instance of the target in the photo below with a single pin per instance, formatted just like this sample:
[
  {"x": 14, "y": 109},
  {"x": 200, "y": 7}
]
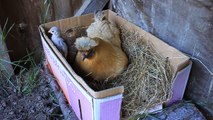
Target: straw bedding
[{"x": 147, "y": 80}]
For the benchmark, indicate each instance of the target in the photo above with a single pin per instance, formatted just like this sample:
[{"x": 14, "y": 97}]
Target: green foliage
[
  {"x": 4, "y": 33},
  {"x": 30, "y": 81},
  {"x": 4, "y": 73},
  {"x": 53, "y": 98},
  {"x": 26, "y": 80},
  {"x": 28, "y": 77},
  {"x": 45, "y": 11}
]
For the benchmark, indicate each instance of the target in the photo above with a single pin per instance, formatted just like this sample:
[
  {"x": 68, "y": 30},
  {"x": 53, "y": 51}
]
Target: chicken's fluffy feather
[
  {"x": 105, "y": 30},
  {"x": 58, "y": 40},
  {"x": 85, "y": 43},
  {"x": 106, "y": 62}
]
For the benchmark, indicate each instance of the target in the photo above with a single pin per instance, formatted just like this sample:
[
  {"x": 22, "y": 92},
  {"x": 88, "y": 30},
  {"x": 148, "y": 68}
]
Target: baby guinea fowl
[
  {"x": 99, "y": 58},
  {"x": 58, "y": 41}
]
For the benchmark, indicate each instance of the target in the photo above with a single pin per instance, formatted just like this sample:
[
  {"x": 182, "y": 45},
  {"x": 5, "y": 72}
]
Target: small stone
[
  {"x": 20, "y": 110},
  {"x": 32, "y": 110},
  {"x": 14, "y": 90},
  {"x": 50, "y": 111},
  {"x": 46, "y": 89},
  {"x": 19, "y": 95},
  {"x": 41, "y": 116},
  {"x": 11, "y": 113},
  {"x": 1, "y": 107},
  {"x": 3, "y": 103},
  {"x": 15, "y": 103},
  {"x": 39, "y": 98},
  {"x": 45, "y": 95},
  {"x": 46, "y": 110},
  {"x": 178, "y": 111},
  {"x": 39, "y": 105}
]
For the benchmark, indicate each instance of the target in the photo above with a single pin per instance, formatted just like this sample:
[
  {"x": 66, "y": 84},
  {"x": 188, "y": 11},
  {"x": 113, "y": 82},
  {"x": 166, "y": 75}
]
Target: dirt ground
[{"x": 39, "y": 104}]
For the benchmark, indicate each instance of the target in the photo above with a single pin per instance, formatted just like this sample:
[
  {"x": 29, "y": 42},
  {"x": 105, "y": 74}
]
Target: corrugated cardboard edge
[
  {"x": 165, "y": 50},
  {"x": 179, "y": 90},
  {"x": 111, "y": 111}
]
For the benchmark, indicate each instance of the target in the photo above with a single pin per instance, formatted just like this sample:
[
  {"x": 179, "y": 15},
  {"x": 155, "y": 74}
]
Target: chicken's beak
[
  {"x": 49, "y": 32},
  {"x": 83, "y": 56}
]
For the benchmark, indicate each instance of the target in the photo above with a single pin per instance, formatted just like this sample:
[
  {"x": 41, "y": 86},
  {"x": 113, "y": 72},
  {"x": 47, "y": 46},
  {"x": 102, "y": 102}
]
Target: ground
[
  {"x": 184, "y": 110},
  {"x": 36, "y": 101},
  {"x": 36, "y": 104}
]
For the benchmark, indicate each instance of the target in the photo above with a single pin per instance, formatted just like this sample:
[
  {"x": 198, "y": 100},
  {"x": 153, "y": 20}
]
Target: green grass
[
  {"x": 30, "y": 81},
  {"x": 53, "y": 98},
  {"x": 28, "y": 77},
  {"x": 4, "y": 33},
  {"x": 45, "y": 11},
  {"x": 4, "y": 73},
  {"x": 26, "y": 80}
]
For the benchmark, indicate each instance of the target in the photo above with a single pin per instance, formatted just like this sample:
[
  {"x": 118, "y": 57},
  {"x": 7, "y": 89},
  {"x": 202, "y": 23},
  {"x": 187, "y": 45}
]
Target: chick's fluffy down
[
  {"x": 105, "y": 30},
  {"x": 108, "y": 61}
]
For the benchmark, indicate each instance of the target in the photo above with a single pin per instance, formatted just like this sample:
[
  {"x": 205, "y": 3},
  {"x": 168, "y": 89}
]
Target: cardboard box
[{"x": 106, "y": 104}]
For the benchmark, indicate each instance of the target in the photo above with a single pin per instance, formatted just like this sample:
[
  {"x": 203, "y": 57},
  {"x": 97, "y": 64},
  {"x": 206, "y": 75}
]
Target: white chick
[{"x": 58, "y": 41}]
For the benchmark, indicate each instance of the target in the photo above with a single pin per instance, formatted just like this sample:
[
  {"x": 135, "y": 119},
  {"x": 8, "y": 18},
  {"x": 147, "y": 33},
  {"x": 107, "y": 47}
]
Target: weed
[
  {"x": 5, "y": 73},
  {"x": 26, "y": 79},
  {"x": 5, "y": 32},
  {"x": 45, "y": 11},
  {"x": 30, "y": 81},
  {"x": 29, "y": 76},
  {"x": 53, "y": 98}
]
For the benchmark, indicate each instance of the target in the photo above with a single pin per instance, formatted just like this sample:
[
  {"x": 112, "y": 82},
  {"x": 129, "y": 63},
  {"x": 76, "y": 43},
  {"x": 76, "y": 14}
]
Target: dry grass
[{"x": 147, "y": 80}]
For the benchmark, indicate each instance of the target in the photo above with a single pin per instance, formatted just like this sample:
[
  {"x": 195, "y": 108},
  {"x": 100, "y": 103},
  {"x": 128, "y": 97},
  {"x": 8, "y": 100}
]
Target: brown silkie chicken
[
  {"x": 105, "y": 30},
  {"x": 99, "y": 59}
]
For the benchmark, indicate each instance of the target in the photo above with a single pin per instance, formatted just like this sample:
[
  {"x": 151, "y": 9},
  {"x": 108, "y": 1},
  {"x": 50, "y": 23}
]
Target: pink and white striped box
[{"x": 106, "y": 104}]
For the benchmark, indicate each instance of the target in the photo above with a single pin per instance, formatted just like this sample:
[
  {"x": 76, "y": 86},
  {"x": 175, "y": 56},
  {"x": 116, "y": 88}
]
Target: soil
[{"x": 40, "y": 104}]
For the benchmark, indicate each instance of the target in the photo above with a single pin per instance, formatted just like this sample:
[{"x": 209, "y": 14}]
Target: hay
[{"x": 148, "y": 79}]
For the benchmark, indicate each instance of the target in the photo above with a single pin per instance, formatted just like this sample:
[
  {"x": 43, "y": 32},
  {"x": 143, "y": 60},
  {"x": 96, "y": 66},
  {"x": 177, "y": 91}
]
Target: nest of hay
[{"x": 148, "y": 79}]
